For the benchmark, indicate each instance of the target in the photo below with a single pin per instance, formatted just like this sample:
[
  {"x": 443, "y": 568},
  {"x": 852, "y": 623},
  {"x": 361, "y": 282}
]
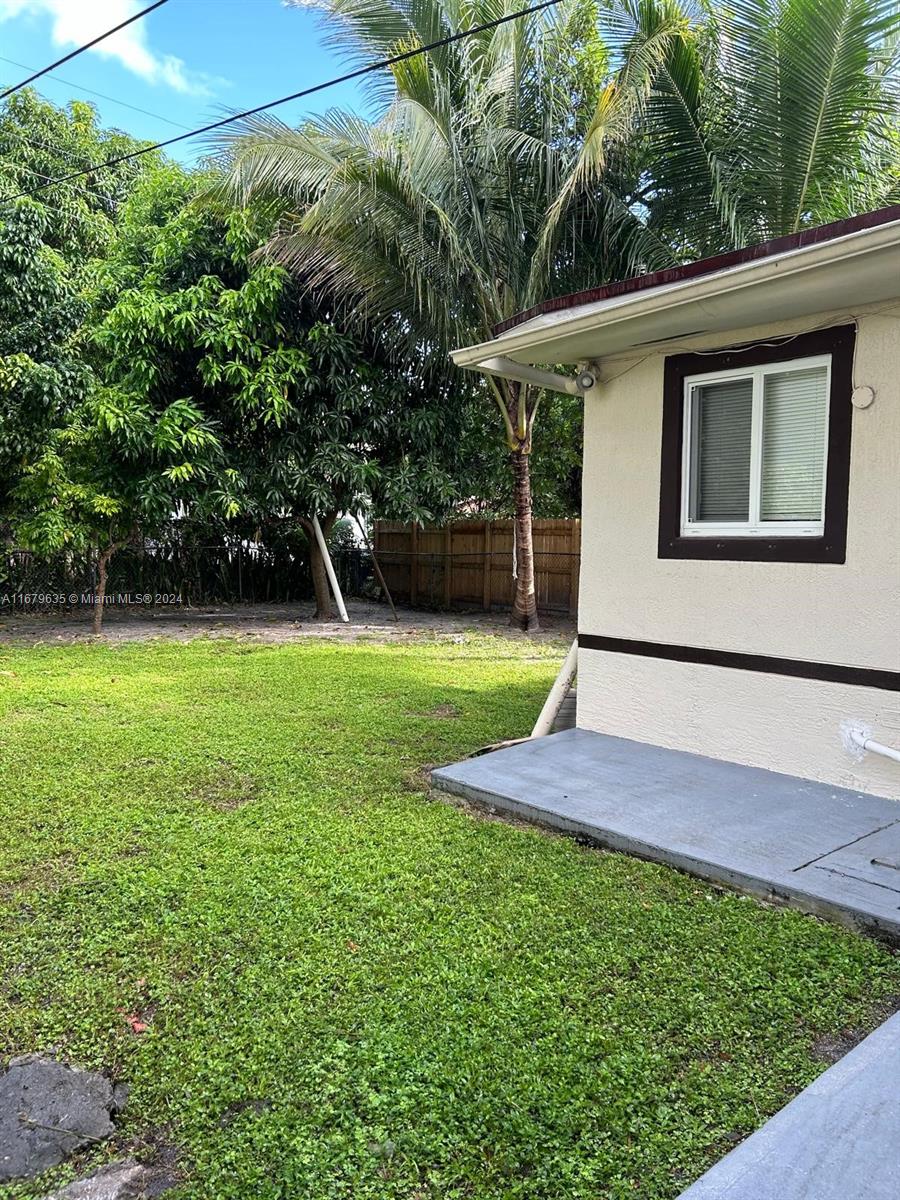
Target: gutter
[{"x": 669, "y": 296}]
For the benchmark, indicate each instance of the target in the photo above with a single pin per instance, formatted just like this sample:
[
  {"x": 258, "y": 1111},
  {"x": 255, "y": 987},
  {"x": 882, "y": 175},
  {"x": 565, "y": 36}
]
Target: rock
[
  {"x": 126, "y": 1180},
  {"x": 48, "y": 1110}
]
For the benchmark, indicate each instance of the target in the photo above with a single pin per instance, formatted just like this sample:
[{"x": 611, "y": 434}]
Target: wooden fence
[{"x": 469, "y": 564}]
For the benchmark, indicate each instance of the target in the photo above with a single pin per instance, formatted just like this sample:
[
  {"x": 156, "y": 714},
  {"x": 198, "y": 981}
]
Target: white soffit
[{"x": 861, "y": 268}]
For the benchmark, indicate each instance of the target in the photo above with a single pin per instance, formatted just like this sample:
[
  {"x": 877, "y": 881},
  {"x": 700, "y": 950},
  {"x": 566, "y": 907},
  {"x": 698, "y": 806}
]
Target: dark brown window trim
[
  {"x": 798, "y": 668},
  {"x": 837, "y": 341}
]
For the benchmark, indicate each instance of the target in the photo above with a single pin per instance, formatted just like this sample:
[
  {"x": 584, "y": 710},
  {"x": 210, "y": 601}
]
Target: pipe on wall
[
  {"x": 860, "y": 739},
  {"x": 558, "y": 693}
]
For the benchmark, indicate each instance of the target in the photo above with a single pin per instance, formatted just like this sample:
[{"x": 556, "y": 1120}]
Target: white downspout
[
  {"x": 558, "y": 693},
  {"x": 329, "y": 570}
]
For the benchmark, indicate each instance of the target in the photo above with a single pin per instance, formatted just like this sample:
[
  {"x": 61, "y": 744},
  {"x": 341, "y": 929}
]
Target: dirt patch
[
  {"x": 267, "y": 623},
  {"x": 226, "y": 789},
  {"x": 488, "y": 813},
  {"x": 830, "y": 1047},
  {"x": 254, "y": 1107},
  {"x": 440, "y": 712},
  {"x": 50, "y": 875},
  {"x": 419, "y": 780}
]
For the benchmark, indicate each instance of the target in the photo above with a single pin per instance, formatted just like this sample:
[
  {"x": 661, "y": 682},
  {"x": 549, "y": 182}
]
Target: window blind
[
  {"x": 723, "y": 415},
  {"x": 795, "y": 408}
]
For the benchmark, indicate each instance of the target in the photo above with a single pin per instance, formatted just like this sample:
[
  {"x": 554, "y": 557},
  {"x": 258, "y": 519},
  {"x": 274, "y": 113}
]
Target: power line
[
  {"x": 39, "y": 145},
  {"x": 78, "y": 187},
  {"x": 81, "y": 49},
  {"x": 101, "y": 95},
  {"x": 318, "y": 87}
]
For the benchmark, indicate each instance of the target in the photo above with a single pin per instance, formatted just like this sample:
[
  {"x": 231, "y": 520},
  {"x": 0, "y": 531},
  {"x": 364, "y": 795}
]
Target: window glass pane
[
  {"x": 722, "y": 414},
  {"x": 795, "y": 409}
]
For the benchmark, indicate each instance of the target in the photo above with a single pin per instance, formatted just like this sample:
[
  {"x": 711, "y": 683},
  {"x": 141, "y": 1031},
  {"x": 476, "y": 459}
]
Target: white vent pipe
[{"x": 859, "y": 738}]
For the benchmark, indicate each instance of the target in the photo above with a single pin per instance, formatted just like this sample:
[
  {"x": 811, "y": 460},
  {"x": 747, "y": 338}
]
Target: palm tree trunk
[{"x": 524, "y": 613}]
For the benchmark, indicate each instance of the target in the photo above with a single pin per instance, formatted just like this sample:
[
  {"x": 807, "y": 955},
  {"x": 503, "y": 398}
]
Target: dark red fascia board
[{"x": 706, "y": 266}]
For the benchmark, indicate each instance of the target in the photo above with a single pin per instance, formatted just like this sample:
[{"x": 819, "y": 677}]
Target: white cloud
[{"x": 75, "y": 22}]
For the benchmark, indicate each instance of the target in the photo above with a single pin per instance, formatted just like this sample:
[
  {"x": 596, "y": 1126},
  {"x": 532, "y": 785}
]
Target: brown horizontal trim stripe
[
  {"x": 798, "y": 668},
  {"x": 706, "y": 266}
]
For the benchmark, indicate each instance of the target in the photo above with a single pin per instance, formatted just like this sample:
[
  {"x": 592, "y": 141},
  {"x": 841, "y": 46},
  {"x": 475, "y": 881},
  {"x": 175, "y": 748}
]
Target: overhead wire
[
  {"x": 146, "y": 112},
  {"x": 81, "y": 49},
  {"x": 357, "y": 73}
]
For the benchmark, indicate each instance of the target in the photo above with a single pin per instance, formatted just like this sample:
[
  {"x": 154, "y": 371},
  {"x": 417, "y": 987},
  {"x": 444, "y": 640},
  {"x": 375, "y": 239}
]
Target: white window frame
[{"x": 754, "y": 526}]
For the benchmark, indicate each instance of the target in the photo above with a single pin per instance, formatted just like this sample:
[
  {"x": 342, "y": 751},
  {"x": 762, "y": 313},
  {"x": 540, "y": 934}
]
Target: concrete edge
[
  {"x": 734, "y": 1173},
  {"x": 847, "y": 916}
]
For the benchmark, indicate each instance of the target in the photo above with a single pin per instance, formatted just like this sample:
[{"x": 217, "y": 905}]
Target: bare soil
[{"x": 273, "y": 623}]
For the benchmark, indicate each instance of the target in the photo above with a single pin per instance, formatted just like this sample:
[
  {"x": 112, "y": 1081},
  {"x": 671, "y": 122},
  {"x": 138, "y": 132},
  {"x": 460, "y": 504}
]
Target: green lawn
[{"x": 352, "y": 990}]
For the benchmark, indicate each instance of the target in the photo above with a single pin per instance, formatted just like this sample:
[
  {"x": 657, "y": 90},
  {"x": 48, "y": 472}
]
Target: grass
[{"x": 350, "y": 989}]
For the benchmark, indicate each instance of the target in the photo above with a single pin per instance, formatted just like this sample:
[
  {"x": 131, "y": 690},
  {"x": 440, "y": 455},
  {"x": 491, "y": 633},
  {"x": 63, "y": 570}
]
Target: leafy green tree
[
  {"x": 499, "y": 171},
  {"x": 41, "y": 316},
  {"x": 48, "y": 243},
  {"x": 117, "y": 465},
  {"x": 311, "y": 422}
]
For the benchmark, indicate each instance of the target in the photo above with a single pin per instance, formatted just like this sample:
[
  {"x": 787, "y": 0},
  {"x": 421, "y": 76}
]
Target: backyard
[{"x": 223, "y": 881}]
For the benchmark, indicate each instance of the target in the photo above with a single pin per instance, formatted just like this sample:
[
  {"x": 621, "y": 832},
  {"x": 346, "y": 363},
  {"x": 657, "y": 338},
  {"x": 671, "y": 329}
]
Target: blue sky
[{"x": 184, "y": 63}]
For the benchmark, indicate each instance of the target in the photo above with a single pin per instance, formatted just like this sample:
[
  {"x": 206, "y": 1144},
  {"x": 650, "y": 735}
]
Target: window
[
  {"x": 755, "y": 443},
  {"x": 756, "y": 451}
]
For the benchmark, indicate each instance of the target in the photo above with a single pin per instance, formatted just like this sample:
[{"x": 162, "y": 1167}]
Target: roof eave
[{"x": 535, "y": 340}]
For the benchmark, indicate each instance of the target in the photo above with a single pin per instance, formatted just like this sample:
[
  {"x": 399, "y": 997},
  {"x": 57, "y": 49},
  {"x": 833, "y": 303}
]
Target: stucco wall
[{"x": 844, "y": 614}]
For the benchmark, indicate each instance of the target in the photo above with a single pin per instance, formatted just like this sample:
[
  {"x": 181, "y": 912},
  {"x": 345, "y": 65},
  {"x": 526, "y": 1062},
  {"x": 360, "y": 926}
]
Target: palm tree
[
  {"x": 542, "y": 157},
  {"x": 766, "y": 117},
  {"x": 496, "y": 172}
]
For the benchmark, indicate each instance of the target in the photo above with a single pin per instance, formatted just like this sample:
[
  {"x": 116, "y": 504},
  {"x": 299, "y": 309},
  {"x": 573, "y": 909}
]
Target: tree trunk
[
  {"x": 324, "y": 611},
  {"x": 524, "y": 613},
  {"x": 100, "y": 591}
]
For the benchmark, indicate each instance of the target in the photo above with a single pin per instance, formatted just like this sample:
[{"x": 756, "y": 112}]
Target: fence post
[
  {"x": 486, "y": 582},
  {"x": 413, "y": 564},
  {"x": 448, "y": 563},
  {"x": 575, "y": 551}
]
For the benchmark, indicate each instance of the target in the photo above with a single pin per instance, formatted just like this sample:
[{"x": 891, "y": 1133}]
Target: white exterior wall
[{"x": 845, "y": 614}]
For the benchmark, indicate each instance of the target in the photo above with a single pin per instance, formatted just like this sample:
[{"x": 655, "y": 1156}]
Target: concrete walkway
[
  {"x": 838, "y": 1140},
  {"x": 823, "y": 849}
]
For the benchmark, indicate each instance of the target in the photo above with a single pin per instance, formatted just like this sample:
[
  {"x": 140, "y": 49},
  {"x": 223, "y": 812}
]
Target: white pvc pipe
[
  {"x": 329, "y": 570},
  {"x": 867, "y": 743},
  {"x": 558, "y": 693}
]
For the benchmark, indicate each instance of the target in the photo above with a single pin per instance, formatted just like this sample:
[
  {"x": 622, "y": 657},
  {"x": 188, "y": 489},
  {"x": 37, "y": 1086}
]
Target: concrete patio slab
[
  {"x": 838, "y": 1140},
  {"x": 825, "y": 850}
]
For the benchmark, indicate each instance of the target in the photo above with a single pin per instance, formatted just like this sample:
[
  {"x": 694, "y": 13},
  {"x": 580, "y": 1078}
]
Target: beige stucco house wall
[
  {"x": 846, "y": 613},
  {"x": 763, "y": 640}
]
